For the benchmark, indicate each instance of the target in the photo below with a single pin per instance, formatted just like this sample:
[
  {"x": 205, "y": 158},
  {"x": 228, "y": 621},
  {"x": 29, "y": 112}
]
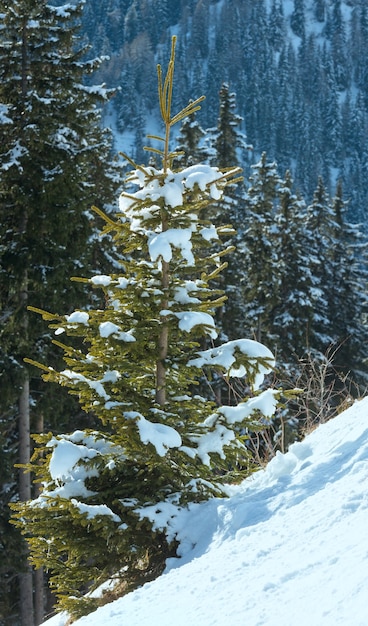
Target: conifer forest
[{"x": 183, "y": 269}]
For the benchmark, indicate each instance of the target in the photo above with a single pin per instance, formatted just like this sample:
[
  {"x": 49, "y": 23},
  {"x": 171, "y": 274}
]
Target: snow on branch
[{"x": 238, "y": 358}]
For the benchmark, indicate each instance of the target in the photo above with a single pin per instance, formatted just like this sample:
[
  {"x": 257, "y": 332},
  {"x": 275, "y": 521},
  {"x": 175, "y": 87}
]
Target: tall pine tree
[
  {"x": 291, "y": 317},
  {"x": 228, "y": 146},
  {"x": 189, "y": 142},
  {"x": 53, "y": 163},
  {"x": 346, "y": 293},
  {"x": 257, "y": 252}
]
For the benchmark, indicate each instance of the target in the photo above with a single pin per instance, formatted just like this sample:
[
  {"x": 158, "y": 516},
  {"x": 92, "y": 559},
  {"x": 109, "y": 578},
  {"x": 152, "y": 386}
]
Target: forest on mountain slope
[{"x": 299, "y": 70}]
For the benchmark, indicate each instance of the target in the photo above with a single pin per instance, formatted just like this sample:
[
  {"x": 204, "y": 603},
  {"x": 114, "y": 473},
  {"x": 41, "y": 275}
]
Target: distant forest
[{"x": 299, "y": 71}]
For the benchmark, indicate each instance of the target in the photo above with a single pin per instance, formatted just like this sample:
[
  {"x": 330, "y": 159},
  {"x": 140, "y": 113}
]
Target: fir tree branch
[{"x": 105, "y": 217}]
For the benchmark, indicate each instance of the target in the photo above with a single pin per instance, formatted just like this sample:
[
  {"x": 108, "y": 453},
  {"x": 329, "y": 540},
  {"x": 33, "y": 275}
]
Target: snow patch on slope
[{"x": 288, "y": 546}]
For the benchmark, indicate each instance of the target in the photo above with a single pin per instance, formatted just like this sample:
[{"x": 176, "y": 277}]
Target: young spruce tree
[{"x": 110, "y": 497}]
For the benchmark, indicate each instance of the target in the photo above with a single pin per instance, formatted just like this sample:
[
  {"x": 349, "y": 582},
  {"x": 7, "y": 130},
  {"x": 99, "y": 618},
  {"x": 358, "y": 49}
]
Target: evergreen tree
[
  {"x": 297, "y": 19},
  {"x": 277, "y": 25},
  {"x": 133, "y": 24},
  {"x": 230, "y": 34},
  {"x": 292, "y": 314},
  {"x": 283, "y": 123},
  {"x": 53, "y": 157},
  {"x": 200, "y": 28},
  {"x": 319, "y": 10},
  {"x": 359, "y": 48},
  {"x": 141, "y": 60},
  {"x": 319, "y": 228},
  {"x": 257, "y": 250},
  {"x": 277, "y": 286},
  {"x": 189, "y": 142},
  {"x": 213, "y": 82},
  {"x": 126, "y": 102},
  {"x": 228, "y": 141},
  {"x": 338, "y": 47},
  {"x": 346, "y": 294},
  {"x": 223, "y": 145},
  {"x": 111, "y": 495}
]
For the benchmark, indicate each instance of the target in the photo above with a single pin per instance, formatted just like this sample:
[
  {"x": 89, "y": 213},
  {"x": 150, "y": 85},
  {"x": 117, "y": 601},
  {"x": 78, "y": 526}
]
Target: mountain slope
[
  {"x": 289, "y": 546},
  {"x": 298, "y": 67}
]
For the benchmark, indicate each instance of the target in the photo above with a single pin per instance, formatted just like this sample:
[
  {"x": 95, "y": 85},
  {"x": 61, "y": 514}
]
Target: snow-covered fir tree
[
  {"x": 227, "y": 144},
  {"x": 338, "y": 250},
  {"x": 257, "y": 251},
  {"x": 292, "y": 313},
  {"x": 110, "y": 494},
  {"x": 189, "y": 142},
  {"x": 319, "y": 241}
]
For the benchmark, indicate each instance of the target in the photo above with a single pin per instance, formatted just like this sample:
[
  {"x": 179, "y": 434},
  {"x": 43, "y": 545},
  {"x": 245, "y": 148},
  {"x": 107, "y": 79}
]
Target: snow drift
[{"x": 290, "y": 545}]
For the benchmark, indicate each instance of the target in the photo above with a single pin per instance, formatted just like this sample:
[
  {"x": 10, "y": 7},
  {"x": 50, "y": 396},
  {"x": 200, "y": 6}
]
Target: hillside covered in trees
[{"x": 299, "y": 70}]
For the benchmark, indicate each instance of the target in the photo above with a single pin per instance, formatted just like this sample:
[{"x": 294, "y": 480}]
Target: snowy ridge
[{"x": 288, "y": 547}]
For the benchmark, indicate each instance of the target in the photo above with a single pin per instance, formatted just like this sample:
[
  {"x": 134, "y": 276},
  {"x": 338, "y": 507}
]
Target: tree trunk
[
  {"x": 24, "y": 440},
  {"x": 24, "y": 454},
  {"x": 39, "y": 591},
  {"x": 259, "y": 329},
  {"x": 163, "y": 341},
  {"x": 39, "y": 610},
  {"x": 25, "y": 578},
  {"x": 160, "y": 365}
]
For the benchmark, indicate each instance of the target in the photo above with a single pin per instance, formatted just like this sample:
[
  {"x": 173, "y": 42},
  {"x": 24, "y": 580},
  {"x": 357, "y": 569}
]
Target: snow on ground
[{"x": 290, "y": 546}]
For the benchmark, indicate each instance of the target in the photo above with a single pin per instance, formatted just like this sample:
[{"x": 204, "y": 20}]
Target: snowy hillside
[{"x": 290, "y": 546}]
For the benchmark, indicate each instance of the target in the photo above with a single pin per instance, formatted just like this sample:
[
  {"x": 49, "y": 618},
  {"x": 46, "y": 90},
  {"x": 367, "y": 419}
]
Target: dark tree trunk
[{"x": 25, "y": 578}]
